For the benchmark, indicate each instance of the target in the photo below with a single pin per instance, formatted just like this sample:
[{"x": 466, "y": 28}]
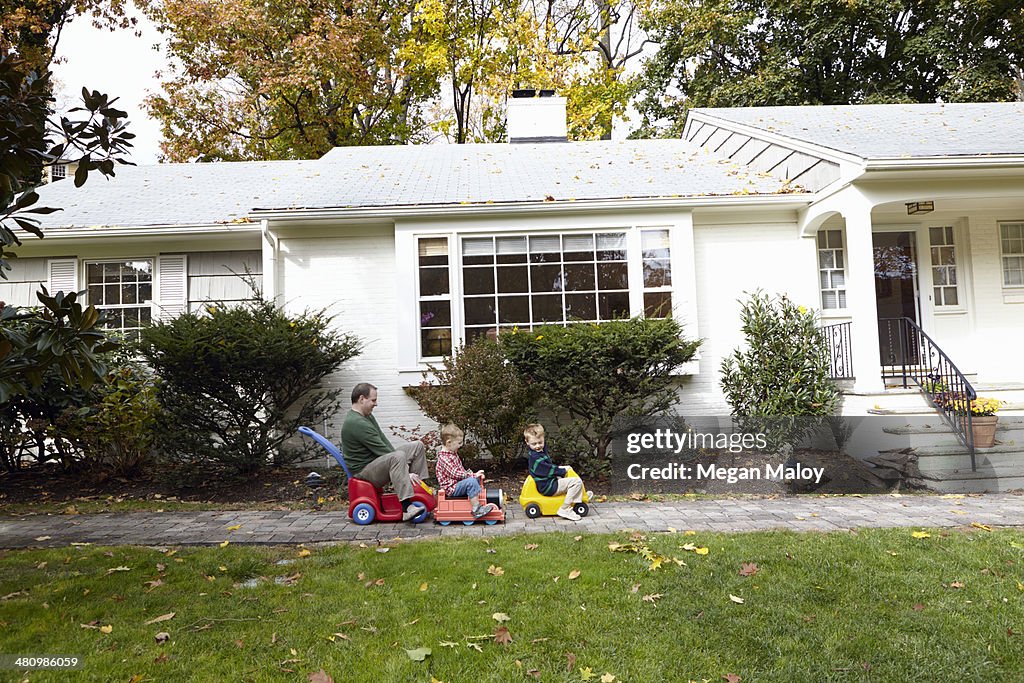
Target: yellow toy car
[{"x": 535, "y": 505}]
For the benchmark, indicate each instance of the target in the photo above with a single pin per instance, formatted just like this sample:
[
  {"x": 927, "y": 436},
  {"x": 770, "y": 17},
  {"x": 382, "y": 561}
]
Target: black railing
[
  {"x": 839, "y": 350},
  {"x": 909, "y": 353}
]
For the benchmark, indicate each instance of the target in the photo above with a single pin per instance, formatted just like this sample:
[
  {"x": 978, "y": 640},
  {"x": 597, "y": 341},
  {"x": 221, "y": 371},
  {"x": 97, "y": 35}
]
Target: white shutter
[
  {"x": 172, "y": 285},
  {"x": 62, "y": 275}
]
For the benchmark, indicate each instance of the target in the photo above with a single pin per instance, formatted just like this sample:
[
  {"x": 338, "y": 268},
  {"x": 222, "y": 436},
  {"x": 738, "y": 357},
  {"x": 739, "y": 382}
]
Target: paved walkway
[{"x": 804, "y": 513}]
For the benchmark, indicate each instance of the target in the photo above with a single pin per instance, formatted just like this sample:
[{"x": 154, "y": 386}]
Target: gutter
[
  {"x": 519, "y": 208},
  {"x": 113, "y": 231},
  {"x": 1009, "y": 161}
]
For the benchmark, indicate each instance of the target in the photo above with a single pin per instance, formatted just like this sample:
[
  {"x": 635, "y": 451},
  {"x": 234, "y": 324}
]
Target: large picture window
[
  {"x": 526, "y": 280},
  {"x": 123, "y": 290},
  {"x": 1011, "y": 249}
]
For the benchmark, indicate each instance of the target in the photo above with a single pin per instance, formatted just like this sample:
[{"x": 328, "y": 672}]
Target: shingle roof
[
  {"x": 400, "y": 176},
  {"x": 878, "y": 131}
]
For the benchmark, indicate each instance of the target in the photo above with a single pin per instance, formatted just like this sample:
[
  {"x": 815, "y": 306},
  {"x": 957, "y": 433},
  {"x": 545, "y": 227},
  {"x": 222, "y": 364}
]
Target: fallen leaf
[
  {"x": 918, "y": 607},
  {"x": 118, "y": 569},
  {"x": 577, "y": 538},
  {"x": 701, "y": 551},
  {"x": 533, "y": 672},
  {"x": 383, "y": 550},
  {"x": 240, "y": 644},
  {"x": 502, "y": 636},
  {"x": 921, "y": 534},
  {"x": 106, "y": 629},
  {"x": 608, "y": 678},
  {"x": 333, "y": 636},
  {"x": 635, "y": 588},
  {"x": 224, "y": 544},
  {"x": 500, "y": 617},
  {"x": 738, "y": 600},
  {"x": 162, "y": 637},
  {"x": 320, "y": 676},
  {"x": 495, "y": 571},
  {"x": 447, "y": 643},
  {"x": 586, "y": 673},
  {"x": 235, "y": 527},
  {"x": 43, "y": 538},
  {"x": 419, "y": 654},
  {"x": 162, "y": 659},
  {"x": 155, "y": 583},
  {"x": 162, "y": 617},
  {"x": 571, "y": 657},
  {"x": 956, "y": 584},
  {"x": 475, "y": 647},
  {"x": 652, "y": 598},
  {"x": 530, "y": 546},
  {"x": 749, "y": 569},
  {"x": 574, "y": 574},
  {"x": 732, "y": 678},
  {"x": 424, "y": 586},
  {"x": 305, "y": 552},
  {"x": 983, "y": 527}
]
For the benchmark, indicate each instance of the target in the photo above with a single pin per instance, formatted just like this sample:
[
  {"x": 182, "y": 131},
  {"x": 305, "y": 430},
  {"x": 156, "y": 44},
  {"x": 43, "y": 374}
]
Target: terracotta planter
[{"x": 984, "y": 429}]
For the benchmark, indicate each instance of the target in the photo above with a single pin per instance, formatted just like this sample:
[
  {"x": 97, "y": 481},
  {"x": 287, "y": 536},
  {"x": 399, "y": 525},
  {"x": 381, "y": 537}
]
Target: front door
[{"x": 896, "y": 296}]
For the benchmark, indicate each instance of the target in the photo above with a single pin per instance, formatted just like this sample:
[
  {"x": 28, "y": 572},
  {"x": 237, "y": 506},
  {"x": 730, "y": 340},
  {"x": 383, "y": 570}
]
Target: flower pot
[{"x": 984, "y": 429}]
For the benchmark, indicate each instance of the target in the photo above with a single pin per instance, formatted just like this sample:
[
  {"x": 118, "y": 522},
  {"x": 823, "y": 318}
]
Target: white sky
[{"x": 119, "y": 64}]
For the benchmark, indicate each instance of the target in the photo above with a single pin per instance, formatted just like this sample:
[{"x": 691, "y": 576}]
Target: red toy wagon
[{"x": 450, "y": 510}]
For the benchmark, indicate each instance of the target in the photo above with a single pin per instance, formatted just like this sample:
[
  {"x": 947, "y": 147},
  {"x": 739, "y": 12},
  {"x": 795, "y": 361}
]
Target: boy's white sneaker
[
  {"x": 569, "y": 514},
  {"x": 412, "y": 511},
  {"x": 484, "y": 510}
]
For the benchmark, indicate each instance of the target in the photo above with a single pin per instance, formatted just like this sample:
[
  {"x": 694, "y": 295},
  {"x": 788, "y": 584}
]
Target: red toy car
[
  {"x": 367, "y": 502},
  {"x": 461, "y": 510}
]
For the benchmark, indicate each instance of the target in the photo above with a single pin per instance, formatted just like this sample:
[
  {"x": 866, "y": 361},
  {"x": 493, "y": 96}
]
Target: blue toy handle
[{"x": 331, "y": 448}]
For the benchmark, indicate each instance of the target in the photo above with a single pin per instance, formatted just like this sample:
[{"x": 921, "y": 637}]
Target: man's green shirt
[{"x": 362, "y": 441}]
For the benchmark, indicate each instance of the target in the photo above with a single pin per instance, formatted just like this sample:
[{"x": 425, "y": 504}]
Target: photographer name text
[{"x": 731, "y": 475}]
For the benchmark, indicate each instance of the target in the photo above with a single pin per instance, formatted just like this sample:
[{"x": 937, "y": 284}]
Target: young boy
[
  {"x": 550, "y": 478},
  {"x": 453, "y": 478}
]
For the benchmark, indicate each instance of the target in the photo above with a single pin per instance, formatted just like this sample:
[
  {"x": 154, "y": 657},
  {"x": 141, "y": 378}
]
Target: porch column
[{"x": 860, "y": 299}]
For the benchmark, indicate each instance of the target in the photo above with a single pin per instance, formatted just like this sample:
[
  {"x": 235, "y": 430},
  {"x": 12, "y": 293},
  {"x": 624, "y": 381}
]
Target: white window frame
[
  {"x": 105, "y": 307},
  {"x": 683, "y": 287},
  {"x": 817, "y": 261},
  {"x": 1003, "y": 255},
  {"x": 949, "y": 229}
]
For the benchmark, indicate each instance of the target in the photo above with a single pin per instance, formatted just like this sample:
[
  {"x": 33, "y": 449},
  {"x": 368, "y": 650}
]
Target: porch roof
[{"x": 892, "y": 131}]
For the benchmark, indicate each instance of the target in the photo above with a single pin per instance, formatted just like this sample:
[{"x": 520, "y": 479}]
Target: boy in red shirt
[{"x": 453, "y": 478}]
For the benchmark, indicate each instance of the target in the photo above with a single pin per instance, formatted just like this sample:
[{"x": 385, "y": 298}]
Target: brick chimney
[{"x": 536, "y": 116}]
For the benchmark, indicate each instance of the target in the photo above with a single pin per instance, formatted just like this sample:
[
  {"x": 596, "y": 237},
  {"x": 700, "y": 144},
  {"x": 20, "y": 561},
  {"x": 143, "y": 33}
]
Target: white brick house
[{"x": 418, "y": 249}]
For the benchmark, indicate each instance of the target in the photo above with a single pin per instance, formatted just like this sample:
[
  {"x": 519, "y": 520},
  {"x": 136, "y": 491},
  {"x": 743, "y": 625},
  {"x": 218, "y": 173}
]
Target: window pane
[
  {"x": 435, "y": 250},
  {"x": 511, "y": 250},
  {"x": 579, "y": 277},
  {"x": 129, "y": 293},
  {"x": 838, "y": 278},
  {"x": 657, "y": 273},
  {"x": 436, "y": 342},
  {"x": 839, "y": 258},
  {"x": 657, "y": 304},
  {"x": 478, "y": 280},
  {"x": 935, "y": 236},
  {"x": 842, "y": 298},
  {"x": 823, "y": 279},
  {"x": 545, "y": 244},
  {"x": 433, "y": 281},
  {"x": 950, "y": 296},
  {"x": 111, "y": 272},
  {"x": 95, "y": 294},
  {"x": 578, "y": 248},
  {"x": 829, "y": 300},
  {"x": 480, "y": 311},
  {"x": 111, "y": 294},
  {"x": 940, "y": 276},
  {"x": 514, "y": 310},
  {"x": 654, "y": 244},
  {"x": 512, "y": 279},
  {"x": 835, "y": 239},
  {"x": 145, "y": 315},
  {"x": 435, "y": 314},
  {"x": 94, "y": 272},
  {"x": 547, "y": 308},
  {"x": 613, "y": 305},
  {"x": 145, "y": 292},
  {"x": 826, "y": 259},
  {"x": 611, "y": 247},
  {"x": 546, "y": 278},
  {"x": 474, "y": 333},
  {"x": 612, "y": 276},
  {"x": 477, "y": 246},
  {"x": 580, "y": 307}
]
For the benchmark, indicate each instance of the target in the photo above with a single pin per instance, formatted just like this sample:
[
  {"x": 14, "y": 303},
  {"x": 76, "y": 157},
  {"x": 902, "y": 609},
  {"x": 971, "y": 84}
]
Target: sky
[{"x": 119, "y": 64}]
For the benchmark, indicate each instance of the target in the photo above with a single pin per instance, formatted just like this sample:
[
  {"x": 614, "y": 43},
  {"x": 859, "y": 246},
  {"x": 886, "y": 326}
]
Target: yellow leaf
[
  {"x": 608, "y": 678},
  {"x": 689, "y": 532},
  {"x": 574, "y": 574},
  {"x": 701, "y": 551},
  {"x": 106, "y": 629},
  {"x": 424, "y": 586},
  {"x": 738, "y": 600},
  {"x": 921, "y": 534},
  {"x": 235, "y": 527},
  {"x": 983, "y": 527},
  {"x": 1020, "y": 586},
  {"x": 222, "y": 568},
  {"x": 500, "y": 617},
  {"x": 586, "y": 673},
  {"x": 495, "y": 571},
  {"x": 305, "y": 552},
  {"x": 224, "y": 544}
]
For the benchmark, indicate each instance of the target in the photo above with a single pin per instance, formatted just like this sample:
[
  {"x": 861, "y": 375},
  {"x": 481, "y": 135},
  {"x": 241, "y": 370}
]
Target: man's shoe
[
  {"x": 414, "y": 510},
  {"x": 569, "y": 514},
  {"x": 484, "y": 510}
]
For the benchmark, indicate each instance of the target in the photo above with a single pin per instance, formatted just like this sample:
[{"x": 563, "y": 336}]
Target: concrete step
[{"x": 952, "y": 482}]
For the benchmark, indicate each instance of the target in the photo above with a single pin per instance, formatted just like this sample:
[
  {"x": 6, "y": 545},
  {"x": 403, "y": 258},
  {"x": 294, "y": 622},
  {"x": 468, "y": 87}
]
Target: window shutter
[
  {"x": 62, "y": 275},
  {"x": 172, "y": 285}
]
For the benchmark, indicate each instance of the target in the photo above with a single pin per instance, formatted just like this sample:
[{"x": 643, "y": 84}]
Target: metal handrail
[
  {"x": 940, "y": 380},
  {"x": 839, "y": 350}
]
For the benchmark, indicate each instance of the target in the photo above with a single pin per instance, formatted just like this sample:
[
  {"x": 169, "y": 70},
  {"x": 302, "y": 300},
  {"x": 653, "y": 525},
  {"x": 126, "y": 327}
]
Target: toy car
[
  {"x": 450, "y": 510},
  {"x": 366, "y": 502},
  {"x": 535, "y": 505}
]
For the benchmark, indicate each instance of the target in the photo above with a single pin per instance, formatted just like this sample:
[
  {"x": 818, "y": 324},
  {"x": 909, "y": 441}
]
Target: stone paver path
[{"x": 804, "y": 513}]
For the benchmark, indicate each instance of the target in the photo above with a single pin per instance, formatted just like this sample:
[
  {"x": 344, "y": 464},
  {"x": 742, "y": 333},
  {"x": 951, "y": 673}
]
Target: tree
[
  {"x": 286, "y": 79},
  {"x": 732, "y": 53}
]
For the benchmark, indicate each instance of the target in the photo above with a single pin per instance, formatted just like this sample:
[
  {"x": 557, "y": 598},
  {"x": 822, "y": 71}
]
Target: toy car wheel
[
  {"x": 491, "y": 522},
  {"x": 422, "y": 517},
  {"x": 532, "y": 510},
  {"x": 363, "y": 514},
  {"x": 445, "y": 523},
  {"x": 467, "y": 522},
  {"x": 581, "y": 509}
]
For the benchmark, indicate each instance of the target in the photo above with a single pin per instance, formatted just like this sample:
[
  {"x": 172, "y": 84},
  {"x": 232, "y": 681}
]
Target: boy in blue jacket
[{"x": 549, "y": 477}]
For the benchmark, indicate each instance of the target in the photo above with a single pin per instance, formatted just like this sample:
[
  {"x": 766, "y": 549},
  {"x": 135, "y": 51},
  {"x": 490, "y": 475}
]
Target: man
[{"x": 372, "y": 458}]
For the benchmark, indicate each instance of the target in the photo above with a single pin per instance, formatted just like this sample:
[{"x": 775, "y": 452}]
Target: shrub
[
  {"x": 238, "y": 381},
  {"x": 586, "y": 375},
  {"x": 117, "y": 429},
  {"x": 782, "y": 373},
  {"x": 482, "y": 394}
]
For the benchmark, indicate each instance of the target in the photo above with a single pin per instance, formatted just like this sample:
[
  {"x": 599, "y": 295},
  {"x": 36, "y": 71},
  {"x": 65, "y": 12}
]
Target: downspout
[{"x": 271, "y": 249}]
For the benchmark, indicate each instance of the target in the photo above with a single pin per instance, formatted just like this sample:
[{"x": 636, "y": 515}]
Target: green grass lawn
[{"x": 875, "y": 605}]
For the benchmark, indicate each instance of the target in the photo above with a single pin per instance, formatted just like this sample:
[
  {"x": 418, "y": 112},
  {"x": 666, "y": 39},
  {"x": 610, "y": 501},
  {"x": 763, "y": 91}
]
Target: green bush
[
  {"x": 117, "y": 429},
  {"x": 782, "y": 373},
  {"x": 481, "y": 393},
  {"x": 238, "y": 381},
  {"x": 588, "y": 374}
]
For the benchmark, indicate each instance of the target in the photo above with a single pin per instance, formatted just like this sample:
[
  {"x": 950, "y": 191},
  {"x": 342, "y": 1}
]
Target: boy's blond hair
[
  {"x": 451, "y": 431},
  {"x": 535, "y": 430}
]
